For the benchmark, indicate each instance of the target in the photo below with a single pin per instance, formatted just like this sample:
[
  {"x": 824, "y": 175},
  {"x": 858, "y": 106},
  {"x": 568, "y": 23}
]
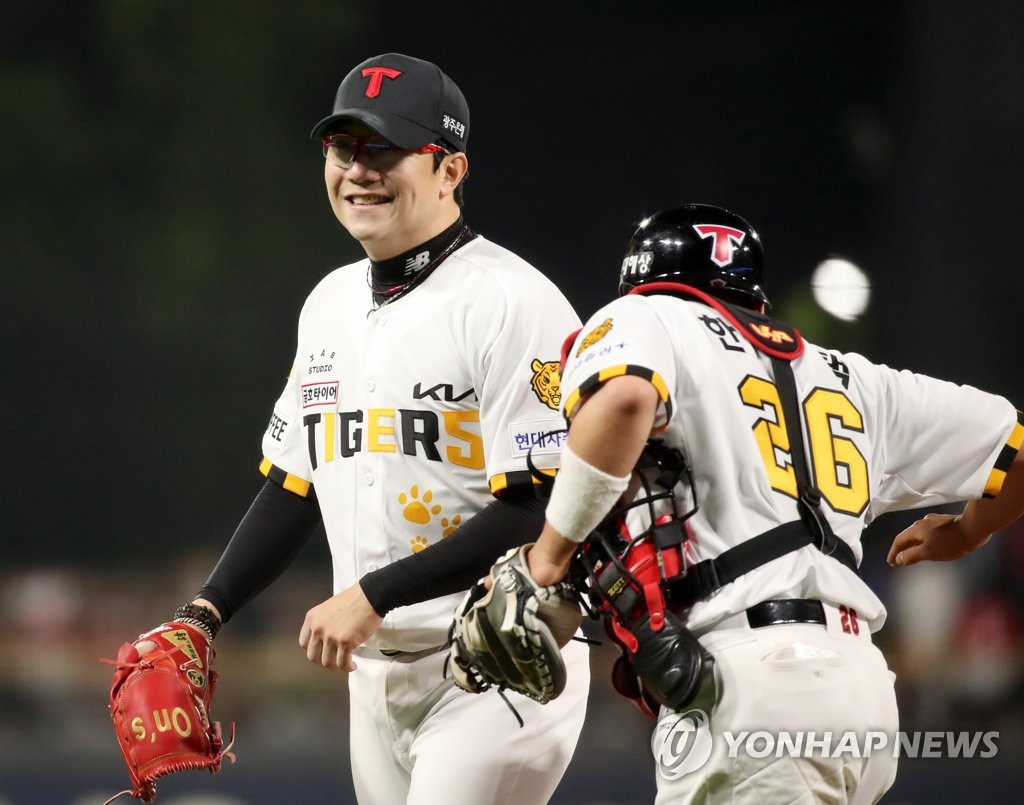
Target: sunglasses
[{"x": 342, "y": 150}]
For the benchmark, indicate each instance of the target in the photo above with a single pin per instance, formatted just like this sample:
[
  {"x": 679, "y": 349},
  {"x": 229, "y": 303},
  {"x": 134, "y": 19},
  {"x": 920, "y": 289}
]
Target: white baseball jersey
[
  {"x": 877, "y": 440},
  {"x": 406, "y": 419}
]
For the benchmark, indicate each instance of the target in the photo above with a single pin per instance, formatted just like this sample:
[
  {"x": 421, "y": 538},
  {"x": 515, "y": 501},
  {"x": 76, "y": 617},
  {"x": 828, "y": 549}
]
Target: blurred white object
[{"x": 841, "y": 288}]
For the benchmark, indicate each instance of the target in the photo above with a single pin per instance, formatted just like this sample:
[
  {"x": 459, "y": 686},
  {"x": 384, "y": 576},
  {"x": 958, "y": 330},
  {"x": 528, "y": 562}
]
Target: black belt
[{"x": 786, "y": 610}]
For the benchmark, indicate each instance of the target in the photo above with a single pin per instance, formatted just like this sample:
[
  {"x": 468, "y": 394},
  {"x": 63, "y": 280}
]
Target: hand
[
  {"x": 545, "y": 569},
  {"x": 935, "y": 537},
  {"x": 333, "y": 629}
]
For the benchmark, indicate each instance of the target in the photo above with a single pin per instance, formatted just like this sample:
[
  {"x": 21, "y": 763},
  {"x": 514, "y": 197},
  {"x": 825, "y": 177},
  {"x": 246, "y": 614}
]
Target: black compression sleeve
[
  {"x": 456, "y": 563},
  {"x": 277, "y": 526}
]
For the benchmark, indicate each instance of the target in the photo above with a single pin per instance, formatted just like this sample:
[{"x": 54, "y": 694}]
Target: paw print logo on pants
[{"x": 418, "y": 510}]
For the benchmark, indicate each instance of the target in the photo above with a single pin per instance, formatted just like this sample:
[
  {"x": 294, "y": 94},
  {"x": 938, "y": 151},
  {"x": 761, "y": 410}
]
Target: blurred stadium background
[{"x": 163, "y": 217}]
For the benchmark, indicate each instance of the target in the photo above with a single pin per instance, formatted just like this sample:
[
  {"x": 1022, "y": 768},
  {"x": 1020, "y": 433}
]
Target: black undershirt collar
[{"x": 396, "y": 276}]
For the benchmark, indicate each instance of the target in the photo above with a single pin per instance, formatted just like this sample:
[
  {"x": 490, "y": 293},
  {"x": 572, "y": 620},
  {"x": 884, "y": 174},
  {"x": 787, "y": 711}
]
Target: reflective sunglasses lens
[{"x": 342, "y": 149}]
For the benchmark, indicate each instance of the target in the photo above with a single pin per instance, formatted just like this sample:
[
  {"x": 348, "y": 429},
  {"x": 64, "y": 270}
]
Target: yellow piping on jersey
[
  {"x": 998, "y": 474},
  {"x": 592, "y": 382},
  {"x": 292, "y": 483},
  {"x": 994, "y": 483},
  {"x": 503, "y": 480},
  {"x": 1016, "y": 437}
]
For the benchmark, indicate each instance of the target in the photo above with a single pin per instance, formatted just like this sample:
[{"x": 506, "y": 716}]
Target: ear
[{"x": 453, "y": 170}]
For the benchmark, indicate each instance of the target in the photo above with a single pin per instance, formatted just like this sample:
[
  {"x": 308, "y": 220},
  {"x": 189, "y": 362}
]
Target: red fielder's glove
[{"x": 160, "y": 705}]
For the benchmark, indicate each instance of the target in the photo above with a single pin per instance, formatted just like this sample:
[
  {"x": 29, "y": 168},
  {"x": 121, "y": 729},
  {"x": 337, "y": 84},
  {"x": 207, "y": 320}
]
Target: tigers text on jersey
[
  {"x": 407, "y": 419},
  {"x": 878, "y": 440}
]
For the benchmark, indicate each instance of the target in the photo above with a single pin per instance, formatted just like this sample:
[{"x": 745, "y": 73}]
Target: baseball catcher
[
  {"x": 160, "y": 702},
  {"x": 509, "y": 634},
  {"x": 792, "y": 451}
]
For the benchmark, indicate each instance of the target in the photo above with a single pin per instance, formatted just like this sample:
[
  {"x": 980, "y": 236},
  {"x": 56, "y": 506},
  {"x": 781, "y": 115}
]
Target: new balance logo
[{"x": 416, "y": 264}]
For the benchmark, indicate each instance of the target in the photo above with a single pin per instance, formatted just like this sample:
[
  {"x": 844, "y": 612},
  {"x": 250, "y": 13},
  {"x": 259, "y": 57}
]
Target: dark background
[{"x": 163, "y": 217}]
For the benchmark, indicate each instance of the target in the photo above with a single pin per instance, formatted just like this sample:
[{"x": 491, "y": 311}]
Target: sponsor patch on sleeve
[
  {"x": 324, "y": 393},
  {"x": 540, "y": 435},
  {"x": 277, "y": 427}
]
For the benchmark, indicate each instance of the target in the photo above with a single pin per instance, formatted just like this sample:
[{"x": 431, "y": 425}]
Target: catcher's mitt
[
  {"x": 160, "y": 705},
  {"x": 510, "y": 636}
]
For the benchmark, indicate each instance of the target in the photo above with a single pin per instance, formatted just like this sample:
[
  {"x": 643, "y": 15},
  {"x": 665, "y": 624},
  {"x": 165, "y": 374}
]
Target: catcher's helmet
[{"x": 700, "y": 245}]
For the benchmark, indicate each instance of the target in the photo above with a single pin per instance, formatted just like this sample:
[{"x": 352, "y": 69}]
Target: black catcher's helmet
[{"x": 700, "y": 245}]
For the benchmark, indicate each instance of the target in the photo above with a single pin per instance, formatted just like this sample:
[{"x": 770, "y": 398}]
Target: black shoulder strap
[
  {"x": 808, "y": 495},
  {"x": 786, "y": 384},
  {"x": 704, "y": 578}
]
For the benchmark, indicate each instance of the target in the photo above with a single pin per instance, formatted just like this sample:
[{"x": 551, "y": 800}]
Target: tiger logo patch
[
  {"x": 594, "y": 336},
  {"x": 547, "y": 383}
]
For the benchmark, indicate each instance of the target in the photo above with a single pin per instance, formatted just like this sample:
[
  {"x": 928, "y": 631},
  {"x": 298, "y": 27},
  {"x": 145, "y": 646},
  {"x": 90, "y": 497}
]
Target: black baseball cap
[{"x": 409, "y": 101}]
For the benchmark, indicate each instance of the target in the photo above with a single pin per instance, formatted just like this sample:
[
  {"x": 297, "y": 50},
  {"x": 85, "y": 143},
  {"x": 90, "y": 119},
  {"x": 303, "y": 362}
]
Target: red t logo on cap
[
  {"x": 377, "y": 76},
  {"x": 726, "y": 238}
]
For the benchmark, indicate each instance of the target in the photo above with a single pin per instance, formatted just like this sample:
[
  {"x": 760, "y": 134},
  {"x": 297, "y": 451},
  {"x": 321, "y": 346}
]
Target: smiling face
[{"x": 391, "y": 210}]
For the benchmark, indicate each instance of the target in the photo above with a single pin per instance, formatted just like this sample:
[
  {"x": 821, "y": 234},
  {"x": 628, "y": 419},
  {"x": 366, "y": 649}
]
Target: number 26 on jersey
[{"x": 840, "y": 469}]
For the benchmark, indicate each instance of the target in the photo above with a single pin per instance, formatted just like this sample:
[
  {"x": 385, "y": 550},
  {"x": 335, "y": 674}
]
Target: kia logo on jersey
[
  {"x": 726, "y": 239},
  {"x": 377, "y": 76}
]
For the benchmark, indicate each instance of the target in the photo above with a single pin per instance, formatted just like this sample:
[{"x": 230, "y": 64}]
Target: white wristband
[{"x": 582, "y": 497}]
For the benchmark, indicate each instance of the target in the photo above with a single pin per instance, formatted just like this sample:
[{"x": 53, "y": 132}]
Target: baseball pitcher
[{"x": 423, "y": 377}]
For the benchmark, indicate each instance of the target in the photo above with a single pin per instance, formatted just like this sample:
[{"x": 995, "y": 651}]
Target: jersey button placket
[{"x": 373, "y": 548}]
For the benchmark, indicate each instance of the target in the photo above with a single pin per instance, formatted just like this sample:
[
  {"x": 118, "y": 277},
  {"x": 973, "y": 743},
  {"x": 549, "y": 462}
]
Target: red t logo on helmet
[
  {"x": 377, "y": 76},
  {"x": 727, "y": 238}
]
